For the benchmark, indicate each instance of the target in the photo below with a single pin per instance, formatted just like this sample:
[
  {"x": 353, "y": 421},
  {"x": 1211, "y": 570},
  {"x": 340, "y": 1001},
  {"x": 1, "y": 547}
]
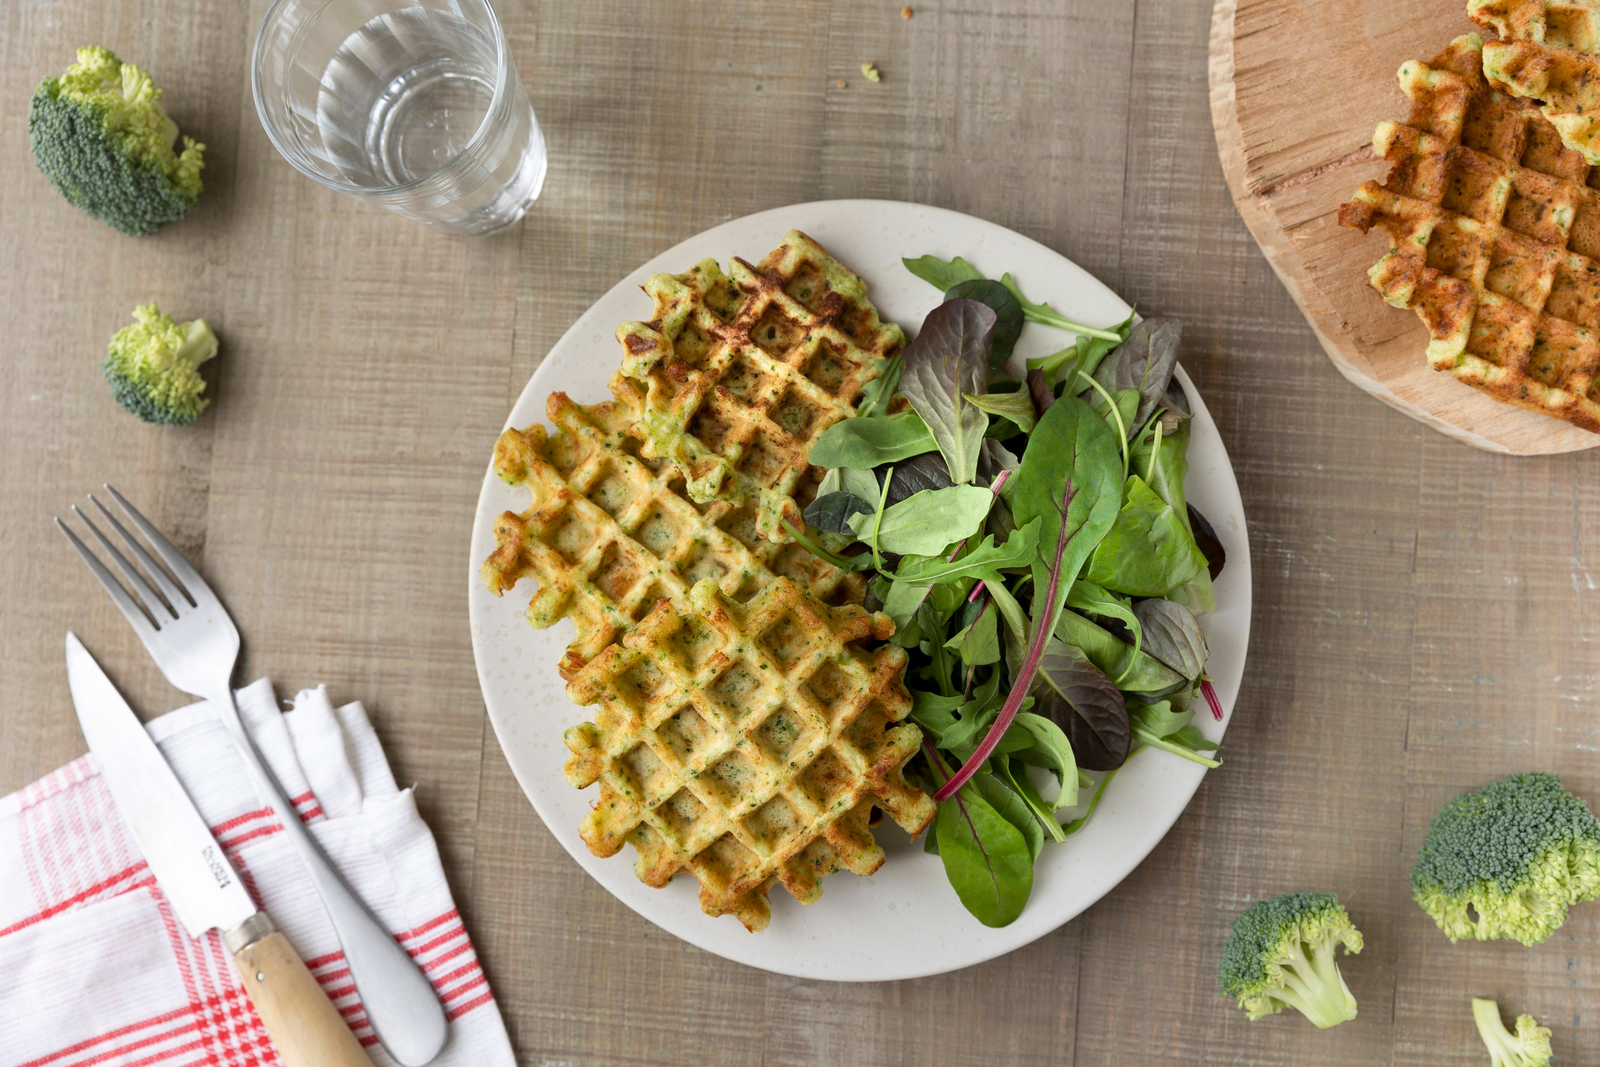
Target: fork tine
[
  {"x": 130, "y": 609},
  {"x": 159, "y": 610},
  {"x": 188, "y": 578},
  {"x": 173, "y": 595}
]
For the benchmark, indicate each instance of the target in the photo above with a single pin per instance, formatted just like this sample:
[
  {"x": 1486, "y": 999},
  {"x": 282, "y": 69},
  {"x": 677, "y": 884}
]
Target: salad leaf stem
[
  {"x": 1148, "y": 738},
  {"x": 1094, "y": 802},
  {"x": 1049, "y": 316},
  {"x": 1155, "y": 448},
  {"x": 877, "y": 520},
  {"x": 1122, "y": 427},
  {"x": 842, "y": 562},
  {"x": 1210, "y": 692},
  {"x": 1030, "y": 665}
]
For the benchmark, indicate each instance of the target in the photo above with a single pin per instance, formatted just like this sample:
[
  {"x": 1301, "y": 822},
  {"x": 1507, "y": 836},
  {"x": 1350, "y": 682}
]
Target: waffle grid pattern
[
  {"x": 1495, "y": 231},
  {"x": 743, "y": 371},
  {"x": 746, "y": 744},
  {"x": 610, "y": 533},
  {"x": 1547, "y": 54}
]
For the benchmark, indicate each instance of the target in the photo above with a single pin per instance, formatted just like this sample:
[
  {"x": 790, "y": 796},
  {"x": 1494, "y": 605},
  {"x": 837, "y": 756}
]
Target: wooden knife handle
[{"x": 305, "y": 1027}]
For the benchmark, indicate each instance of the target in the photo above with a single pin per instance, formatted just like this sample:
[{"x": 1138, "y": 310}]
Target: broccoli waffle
[
  {"x": 743, "y": 371},
  {"x": 1548, "y": 55},
  {"x": 747, "y": 743},
  {"x": 1495, "y": 234},
  {"x": 610, "y": 533}
]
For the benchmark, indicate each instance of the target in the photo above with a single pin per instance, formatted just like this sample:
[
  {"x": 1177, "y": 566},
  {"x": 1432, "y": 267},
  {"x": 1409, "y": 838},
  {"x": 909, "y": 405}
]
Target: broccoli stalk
[
  {"x": 1528, "y": 1047},
  {"x": 1508, "y": 860},
  {"x": 101, "y": 137},
  {"x": 1281, "y": 955},
  {"x": 151, "y": 366}
]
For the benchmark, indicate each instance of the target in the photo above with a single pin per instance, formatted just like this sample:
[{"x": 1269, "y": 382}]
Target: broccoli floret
[
  {"x": 151, "y": 366},
  {"x": 99, "y": 134},
  {"x": 1528, "y": 1047},
  {"x": 1508, "y": 860},
  {"x": 1281, "y": 954}
]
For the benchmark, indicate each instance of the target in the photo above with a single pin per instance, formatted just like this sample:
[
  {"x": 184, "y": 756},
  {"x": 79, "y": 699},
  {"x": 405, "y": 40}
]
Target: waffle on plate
[
  {"x": 747, "y": 743},
  {"x": 1494, "y": 228},
  {"x": 609, "y": 533},
  {"x": 743, "y": 371}
]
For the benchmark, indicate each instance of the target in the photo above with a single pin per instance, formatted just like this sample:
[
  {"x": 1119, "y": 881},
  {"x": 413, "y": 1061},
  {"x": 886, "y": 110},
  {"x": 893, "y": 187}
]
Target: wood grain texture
[
  {"x": 1295, "y": 93},
  {"x": 1426, "y": 614}
]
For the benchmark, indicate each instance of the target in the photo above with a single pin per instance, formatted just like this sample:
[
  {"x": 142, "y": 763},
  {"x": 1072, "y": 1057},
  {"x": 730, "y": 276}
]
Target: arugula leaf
[
  {"x": 1008, "y": 321},
  {"x": 1013, "y": 809},
  {"x": 928, "y": 521},
  {"x": 1136, "y": 672},
  {"x": 1148, "y": 551},
  {"x": 863, "y": 443},
  {"x": 983, "y": 562},
  {"x": 1049, "y": 316},
  {"x": 1086, "y": 705},
  {"x": 1144, "y": 363},
  {"x": 950, "y": 357},
  {"x": 985, "y": 857},
  {"x": 832, "y": 512},
  {"x": 1017, "y": 406},
  {"x": 876, "y": 395},
  {"x": 1173, "y": 636},
  {"x": 940, "y": 274}
]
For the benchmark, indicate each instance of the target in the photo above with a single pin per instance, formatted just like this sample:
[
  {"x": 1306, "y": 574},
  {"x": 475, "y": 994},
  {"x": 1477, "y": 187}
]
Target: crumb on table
[
  {"x": 870, "y": 72},
  {"x": 906, "y": 12}
]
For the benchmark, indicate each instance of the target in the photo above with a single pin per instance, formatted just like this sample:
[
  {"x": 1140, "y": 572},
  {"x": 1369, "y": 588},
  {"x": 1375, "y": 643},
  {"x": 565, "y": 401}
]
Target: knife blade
[{"x": 198, "y": 880}]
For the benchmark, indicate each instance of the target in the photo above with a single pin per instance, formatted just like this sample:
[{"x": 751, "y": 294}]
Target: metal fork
[{"x": 195, "y": 643}]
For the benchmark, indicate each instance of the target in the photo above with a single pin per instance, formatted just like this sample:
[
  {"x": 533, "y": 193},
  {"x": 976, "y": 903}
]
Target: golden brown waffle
[
  {"x": 747, "y": 743},
  {"x": 609, "y": 533},
  {"x": 744, "y": 370},
  {"x": 1495, "y": 230},
  {"x": 1547, "y": 55}
]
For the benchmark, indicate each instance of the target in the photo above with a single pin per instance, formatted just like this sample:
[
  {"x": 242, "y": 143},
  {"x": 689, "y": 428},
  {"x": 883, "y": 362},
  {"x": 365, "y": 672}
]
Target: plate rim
[{"x": 485, "y": 514}]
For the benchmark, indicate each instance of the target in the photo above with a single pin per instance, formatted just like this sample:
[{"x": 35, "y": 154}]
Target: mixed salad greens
[{"x": 1026, "y": 528}]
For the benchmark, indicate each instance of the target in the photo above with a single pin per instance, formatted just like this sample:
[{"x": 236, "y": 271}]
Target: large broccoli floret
[
  {"x": 151, "y": 366},
  {"x": 99, "y": 134},
  {"x": 1508, "y": 860},
  {"x": 1281, "y": 954},
  {"x": 1528, "y": 1047}
]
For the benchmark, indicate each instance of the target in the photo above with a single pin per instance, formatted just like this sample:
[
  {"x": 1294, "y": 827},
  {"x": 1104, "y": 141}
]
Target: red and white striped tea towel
[{"x": 95, "y": 968}]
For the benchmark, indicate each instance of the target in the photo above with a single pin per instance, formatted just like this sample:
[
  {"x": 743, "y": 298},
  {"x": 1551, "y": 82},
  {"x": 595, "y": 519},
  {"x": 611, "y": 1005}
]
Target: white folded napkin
[{"x": 96, "y": 970}]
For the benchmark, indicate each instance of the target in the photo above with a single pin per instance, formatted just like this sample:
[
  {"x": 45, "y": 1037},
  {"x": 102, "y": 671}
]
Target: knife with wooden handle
[{"x": 197, "y": 879}]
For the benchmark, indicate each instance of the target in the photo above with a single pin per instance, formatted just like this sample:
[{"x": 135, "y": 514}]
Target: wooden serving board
[{"x": 1296, "y": 89}]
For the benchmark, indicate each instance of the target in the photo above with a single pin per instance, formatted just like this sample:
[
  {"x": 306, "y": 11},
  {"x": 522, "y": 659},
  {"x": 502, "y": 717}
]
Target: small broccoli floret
[
  {"x": 151, "y": 366},
  {"x": 100, "y": 135},
  {"x": 1528, "y": 1047},
  {"x": 1281, "y": 954},
  {"x": 1508, "y": 860}
]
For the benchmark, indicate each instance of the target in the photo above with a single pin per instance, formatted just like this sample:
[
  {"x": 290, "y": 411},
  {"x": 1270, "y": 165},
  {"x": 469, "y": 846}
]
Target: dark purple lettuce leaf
[
  {"x": 1145, "y": 362},
  {"x": 949, "y": 357},
  {"x": 1172, "y": 635},
  {"x": 1090, "y": 709},
  {"x": 912, "y": 476},
  {"x": 1007, "y": 326},
  {"x": 1205, "y": 538}
]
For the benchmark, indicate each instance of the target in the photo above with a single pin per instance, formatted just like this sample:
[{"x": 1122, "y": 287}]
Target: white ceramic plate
[{"x": 904, "y": 921}]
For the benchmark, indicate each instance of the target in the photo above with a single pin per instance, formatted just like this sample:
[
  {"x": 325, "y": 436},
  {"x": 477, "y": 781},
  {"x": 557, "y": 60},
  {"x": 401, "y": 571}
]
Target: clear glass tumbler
[{"x": 413, "y": 103}]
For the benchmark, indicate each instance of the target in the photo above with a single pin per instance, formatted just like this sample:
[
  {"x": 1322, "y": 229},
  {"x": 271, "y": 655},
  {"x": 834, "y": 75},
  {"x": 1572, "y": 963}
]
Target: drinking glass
[{"x": 412, "y": 103}]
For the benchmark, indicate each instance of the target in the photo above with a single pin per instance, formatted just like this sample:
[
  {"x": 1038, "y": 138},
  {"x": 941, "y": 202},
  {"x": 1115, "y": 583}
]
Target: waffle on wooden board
[
  {"x": 1494, "y": 228},
  {"x": 747, "y": 744}
]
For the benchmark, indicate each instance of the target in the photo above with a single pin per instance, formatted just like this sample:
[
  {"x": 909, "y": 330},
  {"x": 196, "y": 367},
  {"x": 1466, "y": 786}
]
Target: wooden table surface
[{"x": 1426, "y": 615}]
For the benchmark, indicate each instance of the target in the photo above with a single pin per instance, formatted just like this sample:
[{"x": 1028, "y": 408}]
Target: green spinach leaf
[
  {"x": 940, "y": 274},
  {"x": 929, "y": 521},
  {"x": 1148, "y": 551},
  {"x": 1049, "y": 748},
  {"x": 863, "y": 443},
  {"x": 985, "y": 857},
  {"x": 1013, "y": 809}
]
